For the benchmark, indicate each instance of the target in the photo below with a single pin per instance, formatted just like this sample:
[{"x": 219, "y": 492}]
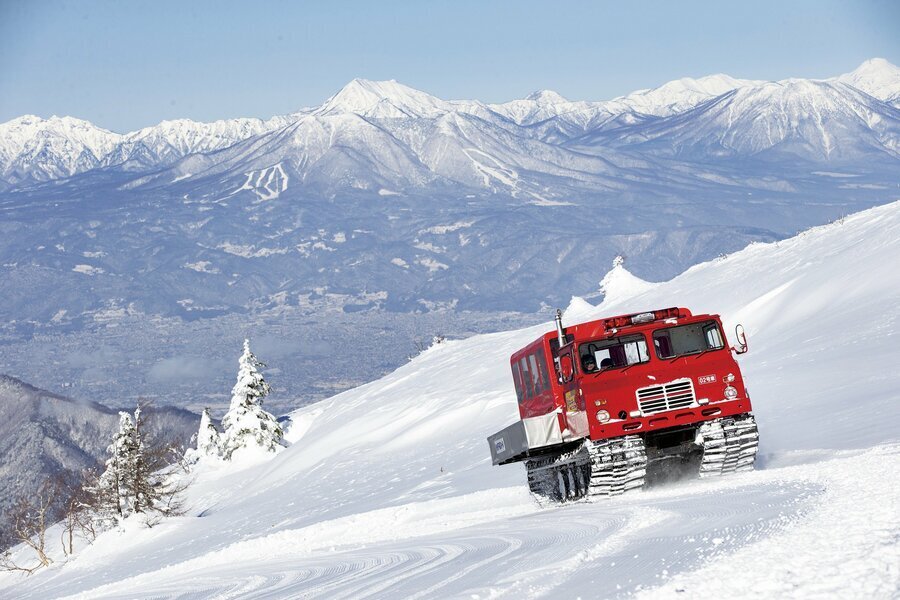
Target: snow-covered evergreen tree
[
  {"x": 619, "y": 283},
  {"x": 247, "y": 424},
  {"x": 209, "y": 441},
  {"x": 113, "y": 493},
  {"x": 136, "y": 478}
]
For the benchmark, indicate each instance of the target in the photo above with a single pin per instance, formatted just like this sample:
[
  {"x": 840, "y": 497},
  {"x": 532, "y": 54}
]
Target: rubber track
[
  {"x": 596, "y": 469},
  {"x": 617, "y": 466},
  {"x": 729, "y": 445},
  {"x": 561, "y": 477}
]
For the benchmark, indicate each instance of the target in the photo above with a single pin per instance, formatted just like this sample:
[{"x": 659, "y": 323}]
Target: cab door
[{"x": 572, "y": 399}]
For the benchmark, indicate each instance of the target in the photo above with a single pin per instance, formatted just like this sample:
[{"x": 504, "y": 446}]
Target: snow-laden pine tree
[
  {"x": 113, "y": 493},
  {"x": 620, "y": 283},
  {"x": 137, "y": 477},
  {"x": 246, "y": 424},
  {"x": 209, "y": 441}
]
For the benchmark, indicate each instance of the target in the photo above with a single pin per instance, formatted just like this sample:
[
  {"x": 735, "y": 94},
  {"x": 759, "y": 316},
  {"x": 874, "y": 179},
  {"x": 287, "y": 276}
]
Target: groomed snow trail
[
  {"x": 388, "y": 490},
  {"x": 699, "y": 538}
]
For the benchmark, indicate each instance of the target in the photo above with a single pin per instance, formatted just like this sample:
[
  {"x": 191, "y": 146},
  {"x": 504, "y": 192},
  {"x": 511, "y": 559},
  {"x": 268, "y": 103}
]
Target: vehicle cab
[{"x": 631, "y": 374}]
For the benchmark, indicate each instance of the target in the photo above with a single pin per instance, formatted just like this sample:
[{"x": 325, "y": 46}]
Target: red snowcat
[{"x": 608, "y": 404}]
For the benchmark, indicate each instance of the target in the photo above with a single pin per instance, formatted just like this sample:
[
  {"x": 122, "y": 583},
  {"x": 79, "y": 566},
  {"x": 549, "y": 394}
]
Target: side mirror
[
  {"x": 566, "y": 368},
  {"x": 741, "y": 338}
]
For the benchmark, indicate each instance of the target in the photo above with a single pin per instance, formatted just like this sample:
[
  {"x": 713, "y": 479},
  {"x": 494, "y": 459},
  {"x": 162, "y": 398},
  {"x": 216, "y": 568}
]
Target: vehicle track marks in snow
[{"x": 851, "y": 533}]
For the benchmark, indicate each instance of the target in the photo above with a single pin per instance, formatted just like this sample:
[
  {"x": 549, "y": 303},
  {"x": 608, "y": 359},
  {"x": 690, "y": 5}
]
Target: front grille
[{"x": 670, "y": 396}]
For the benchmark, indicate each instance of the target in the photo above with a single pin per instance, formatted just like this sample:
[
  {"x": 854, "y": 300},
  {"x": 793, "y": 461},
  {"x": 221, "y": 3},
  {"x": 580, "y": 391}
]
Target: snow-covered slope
[{"x": 388, "y": 491}]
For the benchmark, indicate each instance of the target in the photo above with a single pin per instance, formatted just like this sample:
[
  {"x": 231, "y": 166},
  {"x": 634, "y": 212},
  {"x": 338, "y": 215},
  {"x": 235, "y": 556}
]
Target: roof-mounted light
[{"x": 644, "y": 317}]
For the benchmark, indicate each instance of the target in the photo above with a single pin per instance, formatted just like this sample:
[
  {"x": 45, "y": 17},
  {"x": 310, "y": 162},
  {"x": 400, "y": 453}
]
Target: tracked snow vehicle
[{"x": 609, "y": 404}]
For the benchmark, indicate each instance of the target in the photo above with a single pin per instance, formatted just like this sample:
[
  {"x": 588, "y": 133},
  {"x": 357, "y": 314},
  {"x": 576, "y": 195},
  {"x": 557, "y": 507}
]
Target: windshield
[
  {"x": 609, "y": 354},
  {"x": 687, "y": 339}
]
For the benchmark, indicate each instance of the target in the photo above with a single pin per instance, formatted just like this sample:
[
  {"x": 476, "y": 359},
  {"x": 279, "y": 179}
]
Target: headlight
[
  {"x": 728, "y": 378},
  {"x": 602, "y": 416},
  {"x": 730, "y": 393}
]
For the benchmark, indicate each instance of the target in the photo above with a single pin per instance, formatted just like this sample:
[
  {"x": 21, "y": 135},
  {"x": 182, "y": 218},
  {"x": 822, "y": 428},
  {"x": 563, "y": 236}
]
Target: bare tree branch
[{"x": 30, "y": 517}]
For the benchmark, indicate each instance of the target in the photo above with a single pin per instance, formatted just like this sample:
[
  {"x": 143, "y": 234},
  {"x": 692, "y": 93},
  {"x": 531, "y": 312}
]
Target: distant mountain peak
[
  {"x": 680, "y": 94},
  {"x": 711, "y": 84},
  {"x": 546, "y": 97},
  {"x": 382, "y": 98},
  {"x": 52, "y": 123},
  {"x": 878, "y": 66},
  {"x": 31, "y": 146},
  {"x": 877, "y": 77}
]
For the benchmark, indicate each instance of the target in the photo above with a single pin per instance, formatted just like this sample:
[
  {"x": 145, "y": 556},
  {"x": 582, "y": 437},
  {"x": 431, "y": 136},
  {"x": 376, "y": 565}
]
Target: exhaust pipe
[{"x": 560, "y": 336}]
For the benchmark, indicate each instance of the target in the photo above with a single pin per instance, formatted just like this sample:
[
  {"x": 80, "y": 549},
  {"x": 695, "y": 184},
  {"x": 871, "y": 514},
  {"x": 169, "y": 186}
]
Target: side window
[
  {"x": 535, "y": 375},
  {"x": 554, "y": 344},
  {"x": 517, "y": 379},
  {"x": 526, "y": 377},
  {"x": 713, "y": 337},
  {"x": 542, "y": 367}
]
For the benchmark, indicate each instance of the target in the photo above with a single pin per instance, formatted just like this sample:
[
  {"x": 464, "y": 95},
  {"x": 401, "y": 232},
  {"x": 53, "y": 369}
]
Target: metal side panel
[
  {"x": 513, "y": 442},
  {"x": 543, "y": 431}
]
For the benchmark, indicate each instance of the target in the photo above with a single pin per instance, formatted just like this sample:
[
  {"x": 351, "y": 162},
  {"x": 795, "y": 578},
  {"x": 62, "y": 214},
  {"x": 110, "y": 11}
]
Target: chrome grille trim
[{"x": 668, "y": 396}]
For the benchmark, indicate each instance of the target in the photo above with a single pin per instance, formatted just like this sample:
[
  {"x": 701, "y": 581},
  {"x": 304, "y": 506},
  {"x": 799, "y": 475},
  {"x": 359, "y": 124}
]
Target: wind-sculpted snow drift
[{"x": 387, "y": 490}]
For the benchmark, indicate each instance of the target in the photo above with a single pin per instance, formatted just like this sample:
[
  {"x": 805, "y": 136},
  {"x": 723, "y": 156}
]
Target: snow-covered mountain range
[
  {"x": 34, "y": 149},
  {"x": 386, "y": 198},
  {"x": 388, "y": 491},
  {"x": 785, "y": 120}
]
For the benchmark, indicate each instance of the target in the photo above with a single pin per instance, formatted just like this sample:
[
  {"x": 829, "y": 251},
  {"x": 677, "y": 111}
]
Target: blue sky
[{"x": 129, "y": 64}]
